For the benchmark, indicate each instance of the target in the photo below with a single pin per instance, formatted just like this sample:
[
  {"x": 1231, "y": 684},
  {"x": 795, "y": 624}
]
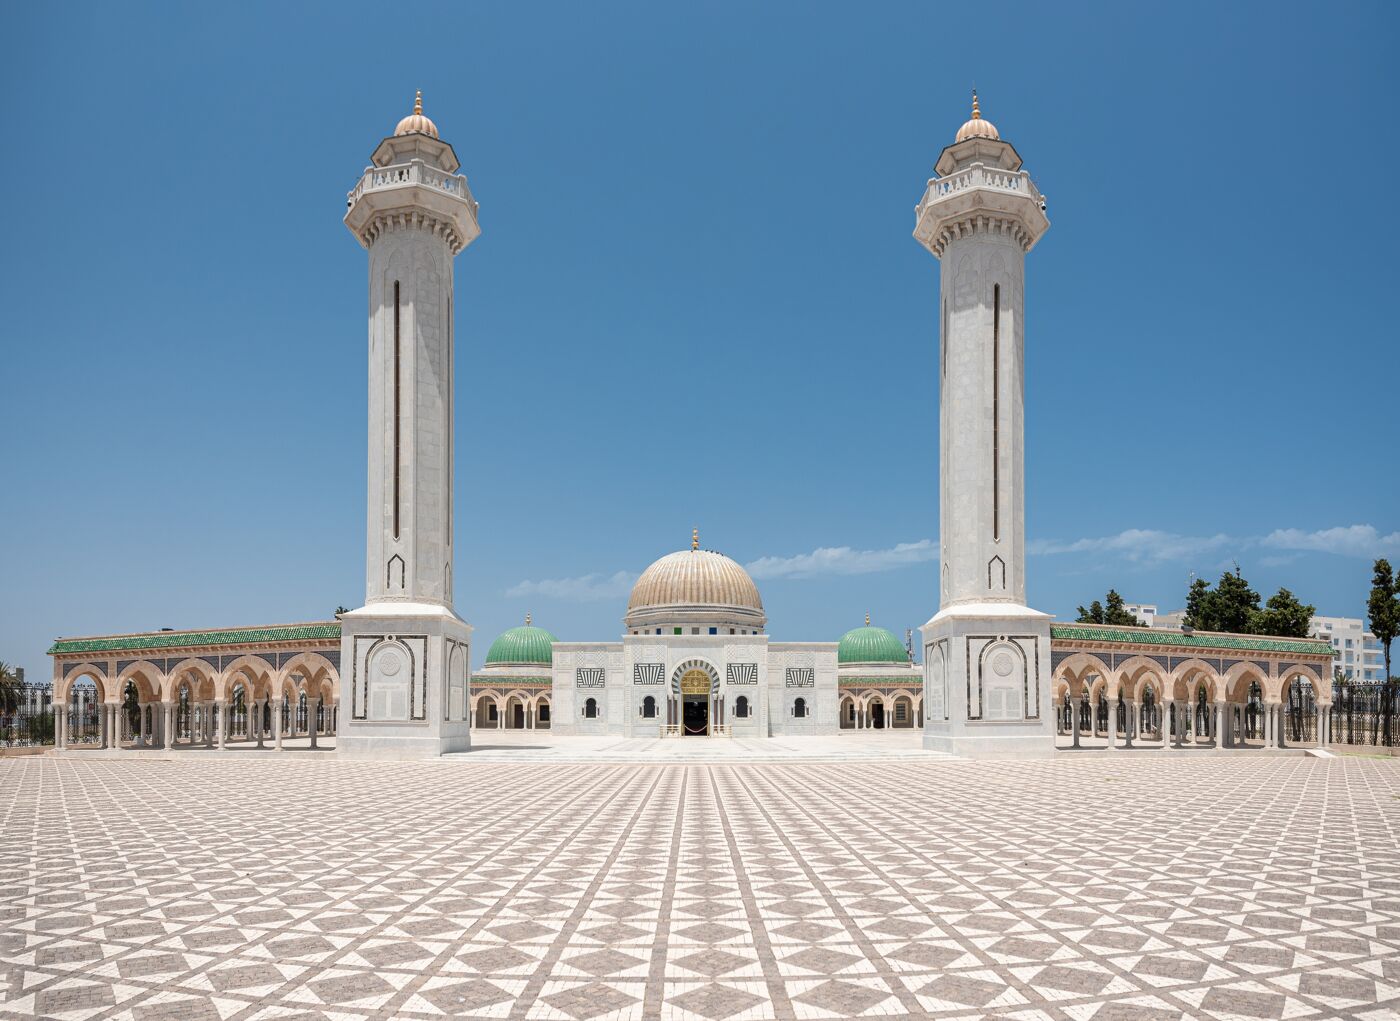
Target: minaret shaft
[
  {"x": 410, "y": 477},
  {"x": 981, "y": 399}
]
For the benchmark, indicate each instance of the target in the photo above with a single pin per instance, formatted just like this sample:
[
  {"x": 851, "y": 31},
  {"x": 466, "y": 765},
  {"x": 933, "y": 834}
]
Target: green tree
[
  {"x": 1197, "y": 596},
  {"x": 1115, "y": 613},
  {"x": 1233, "y": 604},
  {"x": 1283, "y": 615},
  {"x": 1112, "y": 613},
  {"x": 1383, "y": 611}
]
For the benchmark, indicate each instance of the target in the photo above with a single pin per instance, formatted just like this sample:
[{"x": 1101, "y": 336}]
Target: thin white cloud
[
  {"x": 1142, "y": 545},
  {"x": 1137, "y": 545},
  {"x": 1145, "y": 545},
  {"x": 584, "y": 589},
  {"x": 843, "y": 560},
  {"x": 1347, "y": 541}
]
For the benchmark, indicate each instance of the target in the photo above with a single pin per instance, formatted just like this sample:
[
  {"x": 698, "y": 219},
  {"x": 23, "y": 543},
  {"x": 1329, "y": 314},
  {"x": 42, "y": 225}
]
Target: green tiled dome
[
  {"x": 870, "y": 645},
  {"x": 522, "y": 645}
]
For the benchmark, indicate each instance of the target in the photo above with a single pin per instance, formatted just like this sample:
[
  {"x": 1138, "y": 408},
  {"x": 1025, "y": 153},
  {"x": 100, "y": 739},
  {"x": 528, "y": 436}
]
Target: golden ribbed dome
[
  {"x": 977, "y": 127},
  {"x": 694, "y": 578},
  {"x": 415, "y": 123}
]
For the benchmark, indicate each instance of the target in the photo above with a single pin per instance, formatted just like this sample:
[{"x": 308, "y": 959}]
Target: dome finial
[
  {"x": 867, "y": 618},
  {"x": 418, "y": 102},
  {"x": 415, "y": 123},
  {"x": 695, "y": 538},
  {"x": 976, "y": 112},
  {"x": 527, "y": 618}
]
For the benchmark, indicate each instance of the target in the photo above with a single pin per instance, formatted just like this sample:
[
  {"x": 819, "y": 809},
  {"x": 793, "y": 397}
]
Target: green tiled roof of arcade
[
  {"x": 1182, "y": 640},
  {"x": 870, "y": 645},
  {"x": 321, "y": 631}
]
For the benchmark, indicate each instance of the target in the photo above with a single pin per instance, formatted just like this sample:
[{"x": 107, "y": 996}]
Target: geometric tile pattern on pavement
[{"x": 1083, "y": 889}]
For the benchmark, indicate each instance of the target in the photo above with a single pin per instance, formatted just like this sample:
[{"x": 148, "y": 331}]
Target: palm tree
[{"x": 9, "y": 689}]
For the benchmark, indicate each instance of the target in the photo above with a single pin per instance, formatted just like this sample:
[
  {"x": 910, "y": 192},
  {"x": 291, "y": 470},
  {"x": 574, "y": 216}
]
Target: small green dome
[
  {"x": 525, "y": 644},
  {"x": 870, "y": 645}
]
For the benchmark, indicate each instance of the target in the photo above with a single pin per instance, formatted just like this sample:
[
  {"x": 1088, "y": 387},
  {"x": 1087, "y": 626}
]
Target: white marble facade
[{"x": 758, "y": 688}]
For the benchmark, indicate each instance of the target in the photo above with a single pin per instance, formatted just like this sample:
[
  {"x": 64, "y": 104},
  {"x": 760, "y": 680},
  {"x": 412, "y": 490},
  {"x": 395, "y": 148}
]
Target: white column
[
  {"x": 1129, "y": 723},
  {"x": 168, "y": 725},
  {"x": 222, "y": 723},
  {"x": 1074, "y": 721},
  {"x": 1112, "y": 729},
  {"x": 312, "y": 704},
  {"x": 277, "y": 708},
  {"x": 1218, "y": 718},
  {"x": 258, "y": 722}
]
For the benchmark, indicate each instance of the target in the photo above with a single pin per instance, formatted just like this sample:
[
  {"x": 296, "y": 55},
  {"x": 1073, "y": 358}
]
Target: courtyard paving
[{"x": 1076, "y": 889}]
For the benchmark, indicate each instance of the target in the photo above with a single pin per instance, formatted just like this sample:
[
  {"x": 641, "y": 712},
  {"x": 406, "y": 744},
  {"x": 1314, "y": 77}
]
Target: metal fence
[
  {"x": 1365, "y": 712},
  {"x": 28, "y": 720}
]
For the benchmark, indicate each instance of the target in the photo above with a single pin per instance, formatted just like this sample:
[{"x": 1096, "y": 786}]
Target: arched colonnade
[
  {"x": 1188, "y": 702},
  {"x": 882, "y": 709},
  {"x": 193, "y": 702}
]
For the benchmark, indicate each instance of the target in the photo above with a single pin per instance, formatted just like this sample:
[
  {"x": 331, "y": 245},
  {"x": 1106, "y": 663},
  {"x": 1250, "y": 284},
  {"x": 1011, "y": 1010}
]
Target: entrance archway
[{"x": 695, "y": 703}]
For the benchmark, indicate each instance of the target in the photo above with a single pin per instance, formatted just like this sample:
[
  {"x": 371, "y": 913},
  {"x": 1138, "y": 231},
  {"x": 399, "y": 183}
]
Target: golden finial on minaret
[
  {"x": 976, "y": 113},
  {"x": 695, "y": 538},
  {"x": 527, "y": 619},
  {"x": 867, "y": 618},
  {"x": 418, "y": 102}
]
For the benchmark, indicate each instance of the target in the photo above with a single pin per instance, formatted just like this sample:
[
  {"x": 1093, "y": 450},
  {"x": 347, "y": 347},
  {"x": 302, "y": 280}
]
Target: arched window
[
  {"x": 590, "y": 709},
  {"x": 649, "y": 708},
  {"x": 799, "y": 708},
  {"x": 741, "y": 707}
]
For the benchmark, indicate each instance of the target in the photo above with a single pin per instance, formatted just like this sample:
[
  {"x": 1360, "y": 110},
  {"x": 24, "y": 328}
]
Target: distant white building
[
  {"x": 1145, "y": 612},
  {"x": 1355, "y": 651}
]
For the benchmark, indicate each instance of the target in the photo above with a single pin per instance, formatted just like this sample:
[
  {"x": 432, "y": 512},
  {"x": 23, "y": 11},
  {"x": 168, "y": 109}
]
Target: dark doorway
[
  {"x": 877, "y": 715},
  {"x": 695, "y": 716},
  {"x": 517, "y": 716}
]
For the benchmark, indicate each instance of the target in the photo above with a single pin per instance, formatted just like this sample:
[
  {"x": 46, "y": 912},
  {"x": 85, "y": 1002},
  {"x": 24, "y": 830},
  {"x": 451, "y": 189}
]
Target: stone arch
[
  {"x": 905, "y": 699},
  {"x": 1076, "y": 668},
  {"x": 543, "y": 709},
  {"x": 694, "y": 664},
  {"x": 199, "y": 674},
  {"x": 484, "y": 702},
  {"x": 1185, "y": 678},
  {"x": 313, "y": 669},
  {"x": 846, "y": 711},
  {"x": 107, "y": 691},
  {"x": 1238, "y": 678},
  {"x": 513, "y": 700},
  {"x": 1322, "y": 693},
  {"x": 1138, "y": 672},
  {"x": 253, "y": 671},
  {"x": 148, "y": 678}
]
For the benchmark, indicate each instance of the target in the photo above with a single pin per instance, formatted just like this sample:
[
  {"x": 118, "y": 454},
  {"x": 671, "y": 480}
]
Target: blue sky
[{"x": 695, "y": 301}]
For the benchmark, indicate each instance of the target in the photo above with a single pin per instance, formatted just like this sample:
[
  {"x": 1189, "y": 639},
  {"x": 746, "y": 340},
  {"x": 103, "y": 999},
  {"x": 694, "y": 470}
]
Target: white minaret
[
  {"x": 405, "y": 655},
  {"x": 986, "y": 654}
]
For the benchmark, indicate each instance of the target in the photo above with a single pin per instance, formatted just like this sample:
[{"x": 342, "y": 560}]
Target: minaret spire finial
[
  {"x": 867, "y": 618},
  {"x": 527, "y": 618},
  {"x": 695, "y": 538},
  {"x": 976, "y": 113},
  {"x": 418, "y": 102}
]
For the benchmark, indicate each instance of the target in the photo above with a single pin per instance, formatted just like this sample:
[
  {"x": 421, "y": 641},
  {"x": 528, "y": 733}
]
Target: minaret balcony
[
  {"x": 412, "y": 188},
  {"x": 958, "y": 202}
]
